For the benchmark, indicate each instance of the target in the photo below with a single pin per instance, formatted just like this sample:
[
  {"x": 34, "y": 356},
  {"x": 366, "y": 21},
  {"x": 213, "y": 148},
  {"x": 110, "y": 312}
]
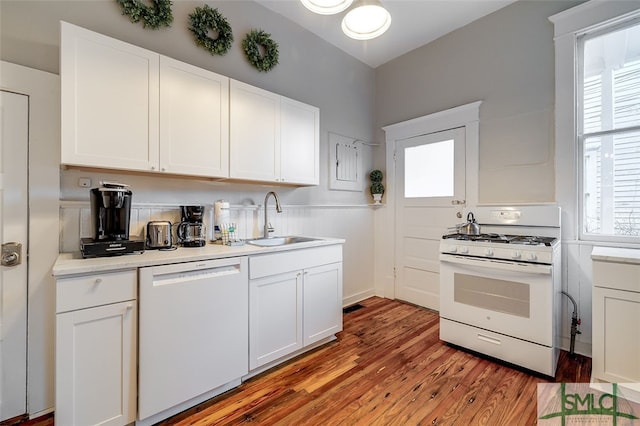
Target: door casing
[{"x": 467, "y": 116}]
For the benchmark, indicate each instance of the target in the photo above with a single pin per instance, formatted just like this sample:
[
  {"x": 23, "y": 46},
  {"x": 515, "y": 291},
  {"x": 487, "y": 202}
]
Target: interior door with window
[
  {"x": 14, "y": 113},
  {"x": 430, "y": 193}
]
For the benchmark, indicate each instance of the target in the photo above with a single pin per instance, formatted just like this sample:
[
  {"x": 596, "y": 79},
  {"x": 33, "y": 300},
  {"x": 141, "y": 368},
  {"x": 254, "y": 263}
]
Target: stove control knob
[
  {"x": 453, "y": 249},
  {"x": 488, "y": 252},
  {"x": 515, "y": 254},
  {"x": 532, "y": 257},
  {"x": 464, "y": 250}
]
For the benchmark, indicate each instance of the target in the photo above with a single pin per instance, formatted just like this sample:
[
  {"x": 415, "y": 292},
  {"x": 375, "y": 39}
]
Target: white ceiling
[{"x": 414, "y": 23}]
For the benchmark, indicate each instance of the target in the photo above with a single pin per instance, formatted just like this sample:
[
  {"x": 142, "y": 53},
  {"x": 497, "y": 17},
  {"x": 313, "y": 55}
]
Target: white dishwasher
[{"x": 193, "y": 333}]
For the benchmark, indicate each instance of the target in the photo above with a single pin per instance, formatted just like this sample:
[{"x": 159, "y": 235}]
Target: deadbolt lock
[{"x": 11, "y": 254}]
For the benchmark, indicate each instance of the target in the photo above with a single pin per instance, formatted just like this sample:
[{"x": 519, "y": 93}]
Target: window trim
[{"x": 570, "y": 24}]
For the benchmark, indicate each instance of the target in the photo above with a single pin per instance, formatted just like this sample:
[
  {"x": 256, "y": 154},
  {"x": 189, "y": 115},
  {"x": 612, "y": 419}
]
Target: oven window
[{"x": 492, "y": 294}]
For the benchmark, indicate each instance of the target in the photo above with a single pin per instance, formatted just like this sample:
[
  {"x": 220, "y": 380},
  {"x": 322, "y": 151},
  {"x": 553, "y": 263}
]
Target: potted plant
[{"x": 377, "y": 188}]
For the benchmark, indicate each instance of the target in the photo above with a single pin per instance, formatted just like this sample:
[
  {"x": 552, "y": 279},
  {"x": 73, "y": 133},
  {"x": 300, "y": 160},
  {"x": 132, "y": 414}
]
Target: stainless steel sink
[{"x": 280, "y": 241}]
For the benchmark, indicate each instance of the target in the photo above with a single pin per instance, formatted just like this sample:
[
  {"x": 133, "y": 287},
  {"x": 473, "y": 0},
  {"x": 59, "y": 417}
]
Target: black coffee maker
[
  {"x": 191, "y": 230},
  {"x": 110, "y": 219},
  {"x": 110, "y": 212}
]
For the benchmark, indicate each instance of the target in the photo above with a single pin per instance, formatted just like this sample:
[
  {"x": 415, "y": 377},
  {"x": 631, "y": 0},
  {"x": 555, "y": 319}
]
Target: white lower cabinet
[
  {"x": 295, "y": 300},
  {"x": 275, "y": 318},
  {"x": 322, "y": 302},
  {"x": 616, "y": 335},
  {"x": 616, "y": 315},
  {"x": 96, "y": 349}
]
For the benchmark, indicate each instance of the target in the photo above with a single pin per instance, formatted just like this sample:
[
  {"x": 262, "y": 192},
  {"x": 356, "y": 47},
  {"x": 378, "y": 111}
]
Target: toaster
[{"x": 159, "y": 235}]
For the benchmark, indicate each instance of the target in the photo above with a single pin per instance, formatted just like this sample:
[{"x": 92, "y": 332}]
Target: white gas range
[{"x": 500, "y": 290}]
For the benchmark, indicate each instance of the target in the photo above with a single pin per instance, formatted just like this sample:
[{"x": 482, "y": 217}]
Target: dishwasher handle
[
  {"x": 195, "y": 275},
  {"x": 190, "y": 271}
]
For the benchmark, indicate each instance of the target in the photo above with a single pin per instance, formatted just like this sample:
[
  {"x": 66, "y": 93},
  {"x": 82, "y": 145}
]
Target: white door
[
  {"x": 14, "y": 141},
  {"x": 430, "y": 191}
]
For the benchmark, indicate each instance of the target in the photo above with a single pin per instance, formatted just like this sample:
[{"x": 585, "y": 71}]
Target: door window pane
[{"x": 428, "y": 170}]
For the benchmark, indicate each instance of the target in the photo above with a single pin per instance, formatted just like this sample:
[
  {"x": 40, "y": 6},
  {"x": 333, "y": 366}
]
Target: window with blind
[{"x": 609, "y": 133}]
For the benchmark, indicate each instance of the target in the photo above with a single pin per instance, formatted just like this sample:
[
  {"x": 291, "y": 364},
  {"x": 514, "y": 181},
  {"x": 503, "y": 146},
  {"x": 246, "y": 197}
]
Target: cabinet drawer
[
  {"x": 620, "y": 276},
  {"x": 279, "y": 263},
  {"x": 85, "y": 291}
]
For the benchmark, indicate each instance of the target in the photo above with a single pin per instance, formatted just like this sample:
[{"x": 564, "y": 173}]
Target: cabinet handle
[
  {"x": 129, "y": 306},
  {"x": 98, "y": 281},
  {"x": 153, "y": 167}
]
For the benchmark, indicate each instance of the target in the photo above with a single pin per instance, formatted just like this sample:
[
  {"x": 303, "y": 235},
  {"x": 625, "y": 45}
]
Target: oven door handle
[{"x": 503, "y": 265}]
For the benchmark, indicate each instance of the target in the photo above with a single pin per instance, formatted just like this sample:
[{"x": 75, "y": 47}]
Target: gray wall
[
  {"x": 310, "y": 70},
  {"x": 506, "y": 60}
]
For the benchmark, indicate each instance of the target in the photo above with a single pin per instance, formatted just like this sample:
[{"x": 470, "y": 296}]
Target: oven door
[{"x": 512, "y": 298}]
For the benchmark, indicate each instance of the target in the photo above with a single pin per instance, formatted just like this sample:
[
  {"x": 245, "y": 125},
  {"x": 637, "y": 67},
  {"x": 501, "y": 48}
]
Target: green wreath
[
  {"x": 204, "y": 19},
  {"x": 251, "y": 45},
  {"x": 156, "y": 16}
]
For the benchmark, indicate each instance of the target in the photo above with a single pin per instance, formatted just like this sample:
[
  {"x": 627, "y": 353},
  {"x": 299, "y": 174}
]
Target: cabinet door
[
  {"x": 254, "y": 133},
  {"x": 322, "y": 302},
  {"x": 616, "y": 335},
  {"x": 96, "y": 365},
  {"x": 275, "y": 317},
  {"x": 109, "y": 93},
  {"x": 299, "y": 142},
  {"x": 194, "y": 120}
]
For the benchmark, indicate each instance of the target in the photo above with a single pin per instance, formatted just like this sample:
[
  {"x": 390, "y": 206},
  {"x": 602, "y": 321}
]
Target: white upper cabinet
[
  {"x": 109, "y": 104},
  {"x": 128, "y": 108},
  {"x": 299, "y": 142},
  {"x": 272, "y": 138},
  {"x": 124, "y": 107},
  {"x": 254, "y": 133},
  {"x": 194, "y": 120}
]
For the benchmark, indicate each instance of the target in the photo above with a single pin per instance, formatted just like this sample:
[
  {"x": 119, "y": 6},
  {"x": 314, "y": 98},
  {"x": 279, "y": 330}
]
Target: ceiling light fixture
[
  {"x": 367, "y": 19},
  {"x": 326, "y": 7}
]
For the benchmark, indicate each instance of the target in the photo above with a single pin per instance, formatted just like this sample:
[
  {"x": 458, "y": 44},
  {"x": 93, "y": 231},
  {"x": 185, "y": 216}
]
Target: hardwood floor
[{"x": 388, "y": 367}]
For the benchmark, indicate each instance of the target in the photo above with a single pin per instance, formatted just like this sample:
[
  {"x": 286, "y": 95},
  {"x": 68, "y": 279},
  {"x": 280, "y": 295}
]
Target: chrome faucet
[{"x": 267, "y": 226}]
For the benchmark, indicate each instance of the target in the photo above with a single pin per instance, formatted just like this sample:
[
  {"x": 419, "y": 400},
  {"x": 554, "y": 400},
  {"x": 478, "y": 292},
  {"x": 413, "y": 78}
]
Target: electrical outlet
[{"x": 84, "y": 182}]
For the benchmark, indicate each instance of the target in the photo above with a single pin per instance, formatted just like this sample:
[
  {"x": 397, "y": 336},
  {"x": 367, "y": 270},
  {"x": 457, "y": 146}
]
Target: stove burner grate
[{"x": 504, "y": 239}]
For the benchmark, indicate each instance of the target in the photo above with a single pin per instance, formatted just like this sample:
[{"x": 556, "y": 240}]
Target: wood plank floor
[{"x": 388, "y": 367}]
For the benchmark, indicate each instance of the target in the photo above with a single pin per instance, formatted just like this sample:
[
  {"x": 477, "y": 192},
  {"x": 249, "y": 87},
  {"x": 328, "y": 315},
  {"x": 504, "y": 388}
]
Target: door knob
[{"x": 11, "y": 254}]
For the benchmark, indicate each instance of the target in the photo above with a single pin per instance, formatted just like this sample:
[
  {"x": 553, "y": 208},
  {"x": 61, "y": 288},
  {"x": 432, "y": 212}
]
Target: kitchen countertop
[
  {"x": 616, "y": 254},
  {"x": 73, "y": 263}
]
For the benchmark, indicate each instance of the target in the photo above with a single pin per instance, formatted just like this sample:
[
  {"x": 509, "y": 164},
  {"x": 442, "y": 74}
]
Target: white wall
[{"x": 43, "y": 90}]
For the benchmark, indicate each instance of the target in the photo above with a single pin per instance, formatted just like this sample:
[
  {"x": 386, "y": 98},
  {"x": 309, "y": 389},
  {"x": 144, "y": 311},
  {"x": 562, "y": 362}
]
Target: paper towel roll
[{"x": 221, "y": 212}]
